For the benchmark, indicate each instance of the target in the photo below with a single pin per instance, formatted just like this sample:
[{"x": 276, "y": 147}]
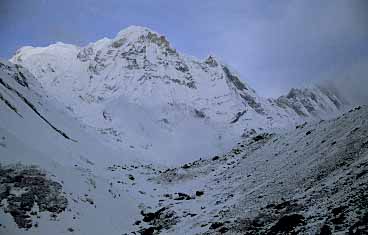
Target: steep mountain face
[
  {"x": 139, "y": 92},
  {"x": 317, "y": 102},
  {"x": 141, "y": 66}
]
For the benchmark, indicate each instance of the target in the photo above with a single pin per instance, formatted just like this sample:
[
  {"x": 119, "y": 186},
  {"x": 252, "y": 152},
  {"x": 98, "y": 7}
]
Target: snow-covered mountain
[
  {"x": 86, "y": 133},
  {"x": 140, "y": 93}
]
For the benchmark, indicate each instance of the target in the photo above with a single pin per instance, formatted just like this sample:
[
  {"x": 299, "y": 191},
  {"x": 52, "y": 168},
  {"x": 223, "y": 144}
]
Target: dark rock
[
  {"x": 238, "y": 116},
  {"x": 186, "y": 166},
  {"x": 21, "y": 219},
  {"x": 286, "y": 224},
  {"x": 36, "y": 188},
  {"x": 216, "y": 225},
  {"x": 258, "y": 138},
  {"x": 211, "y": 61},
  {"x": 338, "y": 215},
  {"x": 147, "y": 231},
  {"x": 283, "y": 205},
  {"x": 215, "y": 158},
  {"x": 325, "y": 230},
  {"x": 365, "y": 144},
  {"x": 199, "y": 113},
  {"x": 223, "y": 230},
  {"x": 338, "y": 210},
  {"x": 131, "y": 177},
  {"x": 138, "y": 222},
  {"x": 234, "y": 79},
  {"x": 362, "y": 173},
  {"x": 360, "y": 227},
  {"x": 301, "y": 126},
  {"x": 149, "y": 217},
  {"x": 199, "y": 193},
  {"x": 161, "y": 219},
  {"x": 90, "y": 201},
  {"x": 182, "y": 196}
]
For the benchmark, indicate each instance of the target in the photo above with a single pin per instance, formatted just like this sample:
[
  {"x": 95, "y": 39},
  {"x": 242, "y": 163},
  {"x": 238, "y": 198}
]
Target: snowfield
[{"x": 128, "y": 136}]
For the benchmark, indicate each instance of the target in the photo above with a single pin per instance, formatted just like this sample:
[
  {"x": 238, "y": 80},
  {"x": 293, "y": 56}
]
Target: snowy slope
[
  {"x": 309, "y": 180},
  {"x": 34, "y": 130},
  {"x": 139, "y": 92}
]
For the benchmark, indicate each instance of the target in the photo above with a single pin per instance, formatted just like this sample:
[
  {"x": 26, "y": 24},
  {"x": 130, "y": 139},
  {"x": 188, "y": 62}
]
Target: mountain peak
[
  {"x": 134, "y": 34},
  {"x": 140, "y": 67},
  {"x": 133, "y": 31},
  {"x": 212, "y": 61}
]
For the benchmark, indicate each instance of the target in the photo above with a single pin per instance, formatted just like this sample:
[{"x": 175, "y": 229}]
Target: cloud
[
  {"x": 297, "y": 44},
  {"x": 351, "y": 82}
]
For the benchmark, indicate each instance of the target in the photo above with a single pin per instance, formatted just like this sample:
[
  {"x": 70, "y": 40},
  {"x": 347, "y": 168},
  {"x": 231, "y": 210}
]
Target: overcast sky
[{"x": 274, "y": 45}]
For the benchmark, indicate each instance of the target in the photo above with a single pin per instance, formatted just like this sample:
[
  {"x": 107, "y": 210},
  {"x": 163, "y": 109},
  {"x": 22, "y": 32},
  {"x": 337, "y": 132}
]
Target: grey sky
[{"x": 274, "y": 45}]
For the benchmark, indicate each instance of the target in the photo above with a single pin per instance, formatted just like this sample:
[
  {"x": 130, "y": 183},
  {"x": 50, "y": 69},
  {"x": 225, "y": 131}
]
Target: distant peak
[
  {"x": 138, "y": 34},
  {"x": 211, "y": 61},
  {"x": 134, "y": 31}
]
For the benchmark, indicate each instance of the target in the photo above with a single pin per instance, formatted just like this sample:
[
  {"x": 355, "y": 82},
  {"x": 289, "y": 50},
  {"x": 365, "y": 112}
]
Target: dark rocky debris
[
  {"x": 163, "y": 218},
  {"x": 215, "y": 158},
  {"x": 22, "y": 187},
  {"x": 286, "y": 224},
  {"x": 216, "y": 225},
  {"x": 238, "y": 116},
  {"x": 182, "y": 196}
]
